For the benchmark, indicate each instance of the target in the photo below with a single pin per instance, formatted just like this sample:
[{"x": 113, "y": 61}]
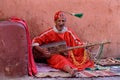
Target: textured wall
[{"x": 101, "y": 20}]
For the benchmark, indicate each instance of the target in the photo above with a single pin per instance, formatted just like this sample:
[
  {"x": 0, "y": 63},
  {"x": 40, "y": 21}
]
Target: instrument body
[{"x": 55, "y": 47}]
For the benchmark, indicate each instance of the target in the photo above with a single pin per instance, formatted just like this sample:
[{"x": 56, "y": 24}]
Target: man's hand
[{"x": 44, "y": 51}]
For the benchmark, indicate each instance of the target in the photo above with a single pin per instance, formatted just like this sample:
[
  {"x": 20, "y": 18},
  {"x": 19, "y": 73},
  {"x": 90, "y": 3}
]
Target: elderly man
[{"x": 76, "y": 60}]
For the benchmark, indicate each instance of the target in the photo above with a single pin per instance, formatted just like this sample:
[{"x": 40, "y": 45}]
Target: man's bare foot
[{"x": 75, "y": 73}]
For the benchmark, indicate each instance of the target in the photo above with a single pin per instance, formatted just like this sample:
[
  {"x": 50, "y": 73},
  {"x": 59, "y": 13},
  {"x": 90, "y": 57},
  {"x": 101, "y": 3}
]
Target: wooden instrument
[{"x": 57, "y": 47}]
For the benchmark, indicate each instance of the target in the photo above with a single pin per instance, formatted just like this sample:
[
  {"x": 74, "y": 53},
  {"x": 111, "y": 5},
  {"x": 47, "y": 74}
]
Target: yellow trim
[{"x": 76, "y": 62}]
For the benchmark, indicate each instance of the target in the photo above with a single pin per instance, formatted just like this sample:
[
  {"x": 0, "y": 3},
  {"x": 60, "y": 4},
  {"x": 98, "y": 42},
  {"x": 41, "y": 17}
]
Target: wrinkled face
[
  {"x": 60, "y": 23},
  {"x": 60, "y": 20}
]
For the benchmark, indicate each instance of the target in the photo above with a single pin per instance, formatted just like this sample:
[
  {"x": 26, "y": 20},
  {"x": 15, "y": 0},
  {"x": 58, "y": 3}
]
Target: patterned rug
[{"x": 45, "y": 71}]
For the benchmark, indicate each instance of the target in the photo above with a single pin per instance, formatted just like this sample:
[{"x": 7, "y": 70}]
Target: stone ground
[{"x": 34, "y": 78}]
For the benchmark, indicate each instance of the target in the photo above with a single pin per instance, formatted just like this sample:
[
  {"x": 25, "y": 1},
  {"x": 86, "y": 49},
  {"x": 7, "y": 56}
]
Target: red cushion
[{"x": 13, "y": 49}]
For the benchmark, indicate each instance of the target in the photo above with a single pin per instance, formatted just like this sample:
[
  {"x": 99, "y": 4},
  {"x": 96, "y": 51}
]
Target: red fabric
[
  {"x": 58, "y": 61},
  {"x": 32, "y": 70}
]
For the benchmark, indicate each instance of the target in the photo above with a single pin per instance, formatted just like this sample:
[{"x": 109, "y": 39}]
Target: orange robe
[{"x": 77, "y": 58}]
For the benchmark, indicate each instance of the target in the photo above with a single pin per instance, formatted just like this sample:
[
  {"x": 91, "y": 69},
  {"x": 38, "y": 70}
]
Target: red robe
[{"x": 76, "y": 59}]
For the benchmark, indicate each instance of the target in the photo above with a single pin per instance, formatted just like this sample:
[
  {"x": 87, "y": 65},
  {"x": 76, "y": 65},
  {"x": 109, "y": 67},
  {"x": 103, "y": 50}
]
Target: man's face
[{"x": 60, "y": 23}]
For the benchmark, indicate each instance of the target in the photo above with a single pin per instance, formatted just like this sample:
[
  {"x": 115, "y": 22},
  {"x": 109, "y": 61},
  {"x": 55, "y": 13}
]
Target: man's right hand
[{"x": 44, "y": 51}]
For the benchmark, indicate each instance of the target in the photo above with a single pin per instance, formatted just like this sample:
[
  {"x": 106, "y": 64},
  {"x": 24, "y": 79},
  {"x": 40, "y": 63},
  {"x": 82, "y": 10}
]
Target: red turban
[{"x": 58, "y": 15}]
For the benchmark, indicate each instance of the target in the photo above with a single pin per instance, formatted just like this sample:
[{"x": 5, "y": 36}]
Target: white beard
[{"x": 63, "y": 30}]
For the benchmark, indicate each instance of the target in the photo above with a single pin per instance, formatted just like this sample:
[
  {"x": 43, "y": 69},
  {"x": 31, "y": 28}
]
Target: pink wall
[{"x": 101, "y": 20}]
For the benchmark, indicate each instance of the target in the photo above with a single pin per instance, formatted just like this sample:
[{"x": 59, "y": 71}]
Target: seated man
[{"x": 76, "y": 60}]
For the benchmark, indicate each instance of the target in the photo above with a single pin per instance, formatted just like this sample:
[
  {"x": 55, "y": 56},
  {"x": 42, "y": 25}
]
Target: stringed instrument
[
  {"x": 57, "y": 47},
  {"x": 62, "y": 48}
]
